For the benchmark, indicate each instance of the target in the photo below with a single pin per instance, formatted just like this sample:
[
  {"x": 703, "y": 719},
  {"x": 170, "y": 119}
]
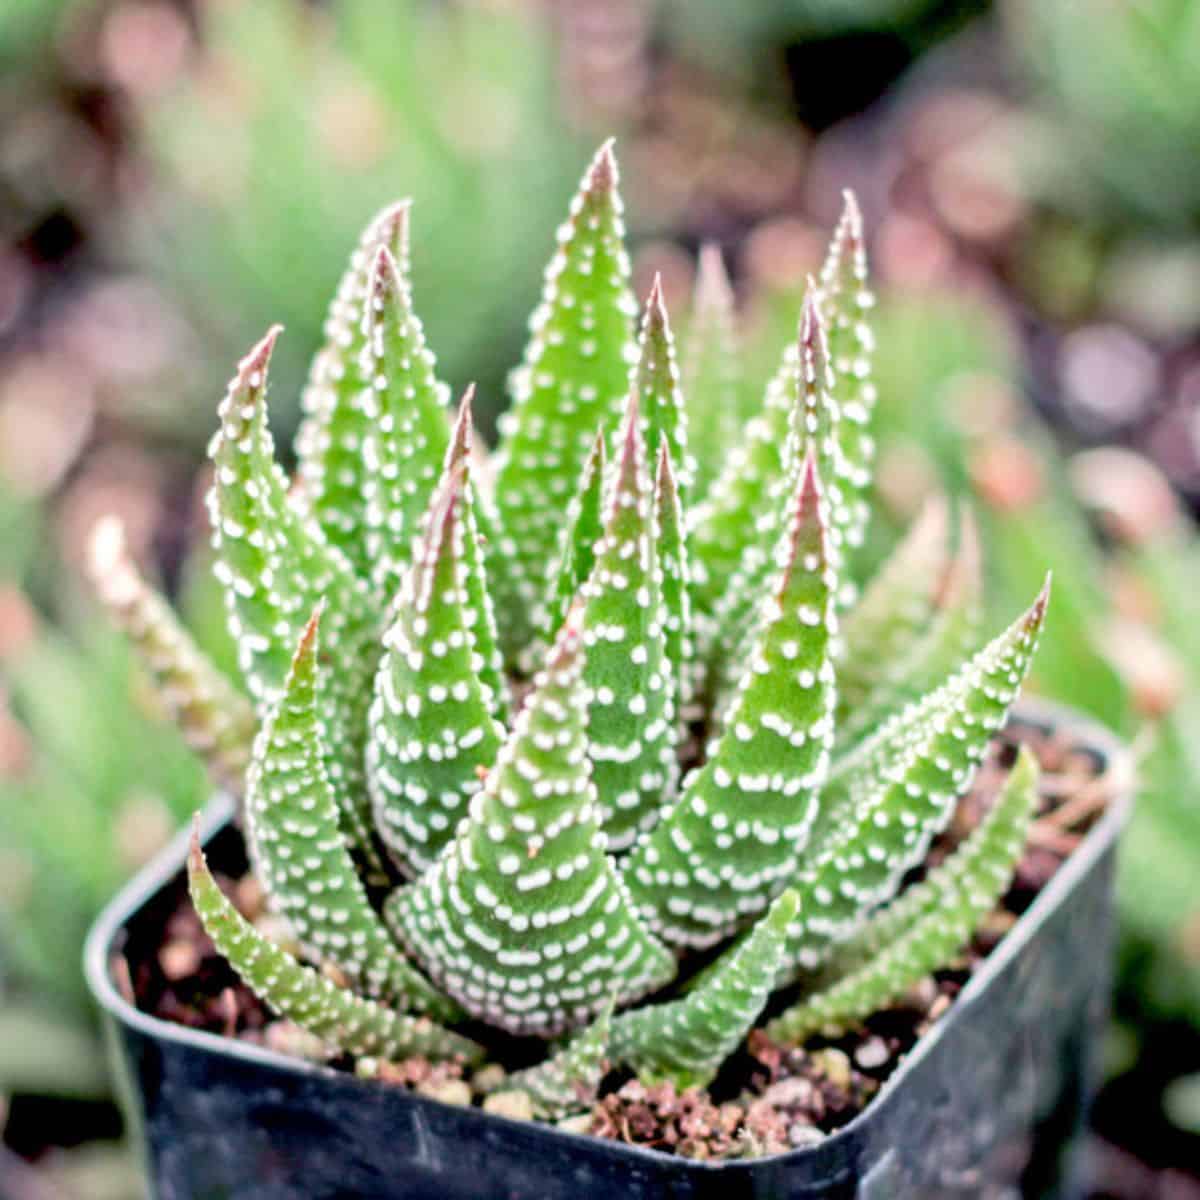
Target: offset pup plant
[{"x": 540, "y": 728}]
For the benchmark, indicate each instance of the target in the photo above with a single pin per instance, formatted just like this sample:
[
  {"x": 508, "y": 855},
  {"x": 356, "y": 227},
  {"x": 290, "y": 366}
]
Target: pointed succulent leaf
[
  {"x": 928, "y": 925},
  {"x": 407, "y": 425},
  {"x": 660, "y": 399},
  {"x": 568, "y": 1080},
  {"x": 576, "y": 554},
  {"x": 821, "y": 433},
  {"x": 350, "y": 1023},
  {"x": 811, "y": 432},
  {"x": 572, "y": 381},
  {"x": 710, "y": 369},
  {"x": 434, "y": 720},
  {"x": 950, "y": 636},
  {"x": 524, "y": 920},
  {"x": 735, "y": 834},
  {"x": 216, "y": 720},
  {"x": 476, "y": 517},
  {"x": 675, "y": 570},
  {"x": 926, "y": 760},
  {"x": 686, "y": 1041},
  {"x": 893, "y": 610},
  {"x": 848, "y": 303},
  {"x": 853, "y": 773},
  {"x": 737, "y": 512},
  {"x": 628, "y": 680},
  {"x": 275, "y": 566},
  {"x": 999, "y": 838},
  {"x": 301, "y": 858},
  {"x": 330, "y": 443}
]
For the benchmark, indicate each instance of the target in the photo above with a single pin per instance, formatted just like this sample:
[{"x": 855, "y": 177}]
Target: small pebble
[
  {"x": 998, "y": 922},
  {"x": 800, "y": 1134},
  {"x": 792, "y": 1092},
  {"x": 939, "y": 1006},
  {"x": 489, "y": 1078},
  {"x": 178, "y": 960},
  {"x": 249, "y": 897},
  {"x": 448, "y": 1091},
  {"x": 515, "y": 1105},
  {"x": 287, "y": 1038},
  {"x": 579, "y": 1123},
  {"x": 872, "y": 1053},
  {"x": 922, "y": 995},
  {"x": 835, "y": 1066}
]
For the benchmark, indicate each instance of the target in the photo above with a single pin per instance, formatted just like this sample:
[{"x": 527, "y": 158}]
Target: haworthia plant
[{"x": 629, "y": 712}]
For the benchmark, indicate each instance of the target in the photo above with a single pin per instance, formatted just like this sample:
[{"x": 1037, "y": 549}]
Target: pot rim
[{"x": 1118, "y": 768}]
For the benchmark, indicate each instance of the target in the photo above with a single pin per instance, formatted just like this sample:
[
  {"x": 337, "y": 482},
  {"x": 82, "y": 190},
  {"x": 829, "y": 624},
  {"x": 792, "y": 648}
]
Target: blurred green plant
[
  {"x": 26, "y": 25},
  {"x": 86, "y": 764},
  {"x": 713, "y": 22},
  {"x": 1123, "y": 77},
  {"x": 295, "y": 122}
]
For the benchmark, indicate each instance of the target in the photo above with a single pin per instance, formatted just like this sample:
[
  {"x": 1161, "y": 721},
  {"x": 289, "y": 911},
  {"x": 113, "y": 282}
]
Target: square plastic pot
[{"x": 987, "y": 1104}]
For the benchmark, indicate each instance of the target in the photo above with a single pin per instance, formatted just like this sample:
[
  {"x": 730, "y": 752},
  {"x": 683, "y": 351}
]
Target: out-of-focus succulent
[{"x": 1122, "y": 78}]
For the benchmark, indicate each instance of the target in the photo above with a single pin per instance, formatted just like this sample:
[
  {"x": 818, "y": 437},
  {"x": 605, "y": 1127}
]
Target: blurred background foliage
[
  {"x": 177, "y": 174},
  {"x": 259, "y": 185}
]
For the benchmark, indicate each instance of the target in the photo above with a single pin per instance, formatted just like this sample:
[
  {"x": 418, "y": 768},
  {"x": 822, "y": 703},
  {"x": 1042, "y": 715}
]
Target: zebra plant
[{"x": 538, "y": 728}]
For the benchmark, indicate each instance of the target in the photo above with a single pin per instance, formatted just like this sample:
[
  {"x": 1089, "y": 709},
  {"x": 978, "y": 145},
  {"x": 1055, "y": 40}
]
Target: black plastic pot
[{"x": 987, "y": 1104}]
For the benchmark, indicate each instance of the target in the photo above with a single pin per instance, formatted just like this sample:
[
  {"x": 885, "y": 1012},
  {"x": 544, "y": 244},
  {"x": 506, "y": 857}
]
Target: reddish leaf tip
[
  {"x": 196, "y": 862},
  {"x": 664, "y": 470},
  {"x": 463, "y": 432},
  {"x": 390, "y": 226},
  {"x": 630, "y": 434},
  {"x": 256, "y": 361},
  {"x": 602, "y": 173},
  {"x": 810, "y": 480},
  {"x": 308, "y": 637},
  {"x": 1038, "y": 611},
  {"x": 812, "y": 323},
  {"x": 385, "y": 272},
  {"x": 566, "y": 653}
]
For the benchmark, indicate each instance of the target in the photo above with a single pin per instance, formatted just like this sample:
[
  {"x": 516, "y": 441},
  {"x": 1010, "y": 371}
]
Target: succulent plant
[{"x": 545, "y": 731}]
